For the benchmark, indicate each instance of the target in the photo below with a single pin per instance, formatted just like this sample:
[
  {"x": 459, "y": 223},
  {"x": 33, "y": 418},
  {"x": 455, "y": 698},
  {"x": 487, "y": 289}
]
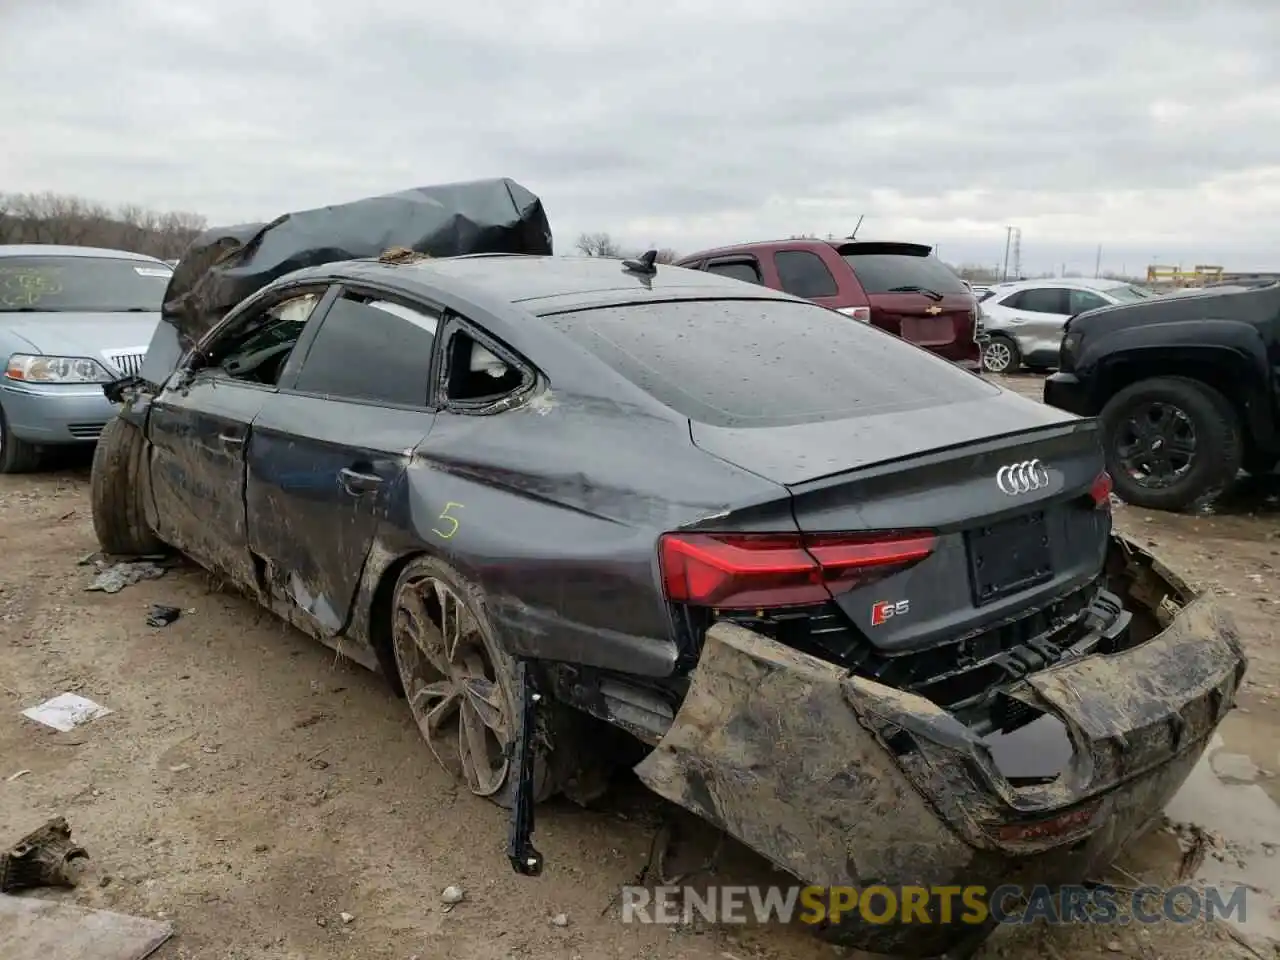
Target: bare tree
[
  {"x": 57, "y": 218},
  {"x": 598, "y": 245},
  {"x": 667, "y": 255}
]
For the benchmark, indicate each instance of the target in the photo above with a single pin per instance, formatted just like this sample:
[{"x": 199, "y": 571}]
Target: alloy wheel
[
  {"x": 1156, "y": 444},
  {"x": 996, "y": 356},
  {"x": 451, "y": 684}
]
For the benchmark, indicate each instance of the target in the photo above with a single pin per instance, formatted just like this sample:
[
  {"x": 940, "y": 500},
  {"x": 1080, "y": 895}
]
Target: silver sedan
[{"x": 71, "y": 319}]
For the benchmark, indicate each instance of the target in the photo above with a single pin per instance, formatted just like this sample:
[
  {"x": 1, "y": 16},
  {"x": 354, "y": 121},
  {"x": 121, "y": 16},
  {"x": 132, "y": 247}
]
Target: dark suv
[{"x": 898, "y": 287}]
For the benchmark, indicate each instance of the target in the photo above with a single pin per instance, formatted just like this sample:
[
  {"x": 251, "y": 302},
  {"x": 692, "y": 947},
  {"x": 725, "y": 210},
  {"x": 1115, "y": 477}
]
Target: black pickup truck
[{"x": 1186, "y": 386}]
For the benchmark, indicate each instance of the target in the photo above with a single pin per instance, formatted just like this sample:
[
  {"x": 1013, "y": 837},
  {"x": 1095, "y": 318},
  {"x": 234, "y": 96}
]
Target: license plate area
[
  {"x": 1008, "y": 557},
  {"x": 929, "y": 331}
]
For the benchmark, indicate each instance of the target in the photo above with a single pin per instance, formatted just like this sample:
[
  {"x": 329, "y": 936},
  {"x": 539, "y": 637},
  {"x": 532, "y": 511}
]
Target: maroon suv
[{"x": 898, "y": 287}]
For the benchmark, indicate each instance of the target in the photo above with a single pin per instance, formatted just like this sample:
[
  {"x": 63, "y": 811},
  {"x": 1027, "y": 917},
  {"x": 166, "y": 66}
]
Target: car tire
[
  {"x": 445, "y": 649},
  {"x": 16, "y": 454},
  {"x": 117, "y": 492},
  {"x": 1000, "y": 355},
  {"x": 1189, "y": 410}
]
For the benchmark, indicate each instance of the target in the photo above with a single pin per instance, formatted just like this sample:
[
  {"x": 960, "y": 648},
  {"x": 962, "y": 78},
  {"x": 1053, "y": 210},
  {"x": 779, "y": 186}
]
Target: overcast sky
[{"x": 1151, "y": 127}]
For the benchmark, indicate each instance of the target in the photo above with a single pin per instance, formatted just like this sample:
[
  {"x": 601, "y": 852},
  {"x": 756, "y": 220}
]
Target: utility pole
[
  {"x": 1097, "y": 264},
  {"x": 1008, "y": 236}
]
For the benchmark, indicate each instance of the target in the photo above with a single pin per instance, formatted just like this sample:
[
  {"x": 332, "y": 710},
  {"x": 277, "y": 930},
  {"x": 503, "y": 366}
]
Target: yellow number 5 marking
[{"x": 445, "y": 515}]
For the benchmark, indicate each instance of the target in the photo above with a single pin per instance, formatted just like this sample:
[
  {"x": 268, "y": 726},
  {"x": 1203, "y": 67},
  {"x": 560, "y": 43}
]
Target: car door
[
  {"x": 327, "y": 455},
  {"x": 1038, "y": 315},
  {"x": 199, "y": 425}
]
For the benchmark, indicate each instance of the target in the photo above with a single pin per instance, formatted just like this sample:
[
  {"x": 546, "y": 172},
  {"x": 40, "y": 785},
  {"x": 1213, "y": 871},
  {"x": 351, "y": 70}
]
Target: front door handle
[
  {"x": 357, "y": 483},
  {"x": 231, "y": 440}
]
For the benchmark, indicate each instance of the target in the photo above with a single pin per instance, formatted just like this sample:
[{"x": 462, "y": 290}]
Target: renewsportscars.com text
[{"x": 940, "y": 904}]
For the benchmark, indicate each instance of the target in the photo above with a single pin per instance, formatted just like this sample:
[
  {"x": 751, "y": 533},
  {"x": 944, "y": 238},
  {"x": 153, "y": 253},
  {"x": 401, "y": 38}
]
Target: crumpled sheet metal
[{"x": 789, "y": 754}]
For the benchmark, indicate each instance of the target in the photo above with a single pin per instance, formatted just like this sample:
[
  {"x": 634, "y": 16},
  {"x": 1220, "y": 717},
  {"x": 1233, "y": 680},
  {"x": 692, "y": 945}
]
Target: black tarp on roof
[{"x": 224, "y": 265}]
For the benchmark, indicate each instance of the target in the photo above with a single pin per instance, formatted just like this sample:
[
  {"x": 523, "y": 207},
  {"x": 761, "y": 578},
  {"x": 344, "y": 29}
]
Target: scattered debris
[
  {"x": 402, "y": 255},
  {"x": 346, "y": 917},
  {"x": 178, "y": 768},
  {"x": 115, "y": 578},
  {"x": 452, "y": 895},
  {"x": 560, "y": 919},
  {"x": 319, "y": 764},
  {"x": 162, "y": 616},
  {"x": 65, "y": 712},
  {"x": 41, "y": 859},
  {"x": 15, "y": 776}
]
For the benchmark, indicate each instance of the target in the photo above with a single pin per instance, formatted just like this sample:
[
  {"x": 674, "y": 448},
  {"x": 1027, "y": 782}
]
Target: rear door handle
[{"x": 356, "y": 483}]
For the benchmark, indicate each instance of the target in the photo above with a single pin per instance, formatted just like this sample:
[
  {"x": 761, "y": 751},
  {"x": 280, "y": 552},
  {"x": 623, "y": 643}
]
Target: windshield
[
  {"x": 1128, "y": 294},
  {"x": 765, "y": 363},
  {"x": 902, "y": 273},
  {"x": 54, "y": 284}
]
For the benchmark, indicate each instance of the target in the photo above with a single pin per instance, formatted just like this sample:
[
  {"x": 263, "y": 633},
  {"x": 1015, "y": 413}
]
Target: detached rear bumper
[{"x": 843, "y": 781}]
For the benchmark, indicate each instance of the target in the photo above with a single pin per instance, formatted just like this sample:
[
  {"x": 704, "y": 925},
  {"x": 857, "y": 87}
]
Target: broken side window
[
  {"x": 476, "y": 375},
  {"x": 257, "y": 348}
]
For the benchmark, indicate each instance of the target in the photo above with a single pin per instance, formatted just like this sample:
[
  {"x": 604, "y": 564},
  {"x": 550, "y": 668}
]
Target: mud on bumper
[{"x": 842, "y": 781}]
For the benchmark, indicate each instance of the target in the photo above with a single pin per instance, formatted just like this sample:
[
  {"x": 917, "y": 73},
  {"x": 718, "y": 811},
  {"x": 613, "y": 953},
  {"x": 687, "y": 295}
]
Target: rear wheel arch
[
  {"x": 1213, "y": 373},
  {"x": 379, "y": 614}
]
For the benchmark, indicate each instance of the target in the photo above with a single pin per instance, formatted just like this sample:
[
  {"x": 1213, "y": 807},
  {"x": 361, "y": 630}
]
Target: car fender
[{"x": 1226, "y": 353}]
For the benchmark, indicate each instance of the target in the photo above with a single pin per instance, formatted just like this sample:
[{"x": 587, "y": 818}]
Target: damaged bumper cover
[{"x": 842, "y": 781}]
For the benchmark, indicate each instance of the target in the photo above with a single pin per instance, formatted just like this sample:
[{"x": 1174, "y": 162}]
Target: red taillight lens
[
  {"x": 1100, "y": 491},
  {"x": 749, "y": 570}
]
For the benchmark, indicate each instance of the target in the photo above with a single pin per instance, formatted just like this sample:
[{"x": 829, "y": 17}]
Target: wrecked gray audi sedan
[{"x": 865, "y": 609}]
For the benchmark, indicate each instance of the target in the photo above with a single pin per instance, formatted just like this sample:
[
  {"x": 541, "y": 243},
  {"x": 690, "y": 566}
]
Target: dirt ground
[{"x": 252, "y": 789}]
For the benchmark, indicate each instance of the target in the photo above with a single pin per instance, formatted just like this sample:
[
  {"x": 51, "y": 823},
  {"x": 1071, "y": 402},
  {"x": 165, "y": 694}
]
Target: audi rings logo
[{"x": 1015, "y": 479}]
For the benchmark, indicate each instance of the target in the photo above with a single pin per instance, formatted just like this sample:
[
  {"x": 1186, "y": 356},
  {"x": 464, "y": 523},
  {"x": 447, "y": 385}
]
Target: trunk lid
[
  {"x": 1000, "y": 553},
  {"x": 916, "y": 296}
]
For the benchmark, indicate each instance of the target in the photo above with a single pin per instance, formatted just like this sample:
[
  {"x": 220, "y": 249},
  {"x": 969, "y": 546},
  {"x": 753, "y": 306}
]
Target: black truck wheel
[
  {"x": 116, "y": 492},
  {"x": 1170, "y": 442}
]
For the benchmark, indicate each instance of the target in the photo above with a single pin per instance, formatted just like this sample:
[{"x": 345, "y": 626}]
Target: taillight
[
  {"x": 752, "y": 570},
  {"x": 858, "y": 313},
  {"x": 1100, "y": 491}
]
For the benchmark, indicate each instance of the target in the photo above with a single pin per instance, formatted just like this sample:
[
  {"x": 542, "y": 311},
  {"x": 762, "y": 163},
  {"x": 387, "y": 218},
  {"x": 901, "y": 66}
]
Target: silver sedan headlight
[{"x": 26, "y": 368}]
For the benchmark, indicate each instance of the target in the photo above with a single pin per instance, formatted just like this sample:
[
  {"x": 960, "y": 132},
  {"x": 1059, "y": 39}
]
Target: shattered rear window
[{"x": 762, "y": 363}]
